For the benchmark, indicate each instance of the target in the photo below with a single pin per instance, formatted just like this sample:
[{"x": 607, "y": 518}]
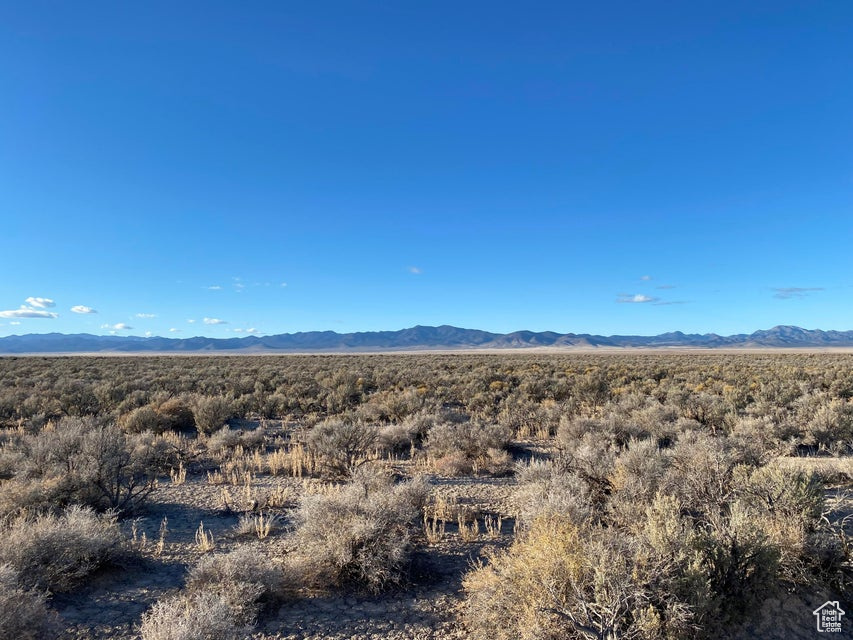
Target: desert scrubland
[{"x": 500, "y": 496}]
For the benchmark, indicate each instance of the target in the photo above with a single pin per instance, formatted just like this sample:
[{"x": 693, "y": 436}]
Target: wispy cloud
[
  {"x": 637, "y": 298},
  {"x": 415, "y": 270},
  {"x": 174, "y": 330},
  {"x": 214, "y": 287},
  {"x": 120, "y": 326},
  {"x": 663, "y": 303},
  {"x": 250, "y": 330},
  {"x": 283, "y": 284},
  {"x": 27, "y": 312},
  {"x": 82, "y": 308},
  {"x": 40, "y": 303},
  {"x": 645, "y": 278},
  {"x": 191, "y": 320},
  {"x": 786, "y": 293},
  {"x": 146, "y": 315},
  {"x": 214, "y": 321}
]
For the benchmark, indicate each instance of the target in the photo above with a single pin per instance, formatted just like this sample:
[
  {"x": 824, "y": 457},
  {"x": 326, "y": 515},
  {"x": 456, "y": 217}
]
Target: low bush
[
  {"x": 83, "y": 461},
  {"x": 200, "y": 616},
  {"x": 246, "y": 565},
  {"x": 361, "y": 533},
  {"x": 24, "y": 614},
  {"x": 341, "y": 446},
  {"x": 57, "y": 552},
  {"x": 455, "y": 448},
  {"x": 210, "y": 413}
]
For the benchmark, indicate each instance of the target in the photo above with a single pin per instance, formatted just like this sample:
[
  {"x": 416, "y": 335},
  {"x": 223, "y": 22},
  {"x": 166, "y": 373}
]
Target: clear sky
[{"x": 602, "y": 167}]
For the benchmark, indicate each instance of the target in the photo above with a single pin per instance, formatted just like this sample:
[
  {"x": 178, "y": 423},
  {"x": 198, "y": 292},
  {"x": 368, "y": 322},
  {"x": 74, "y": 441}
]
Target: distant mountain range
[{"x": 418, "y": 339}]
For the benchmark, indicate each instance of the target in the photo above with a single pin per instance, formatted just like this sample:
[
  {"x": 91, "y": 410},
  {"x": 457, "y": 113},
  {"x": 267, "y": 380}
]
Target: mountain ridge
[{"x": 425, "y": 338}]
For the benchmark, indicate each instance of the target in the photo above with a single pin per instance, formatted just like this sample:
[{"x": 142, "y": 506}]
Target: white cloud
[
  {"x": 81, "y": 308},
  {"x": 283, "y": 284},
  {"x": 645, "y": 278},
  {"x": 148, "y": 334},
  {"x": 415, "y": 270},
  {"x": 190, "y": 320},
  {"x": 214, "y": 287},
  {"x": 174, "y": 330},
  {"x": 121, "y": 326},
  {"x": 250, "y": 330},
  {"x": 146, "y": 315},
  {"x": 637, "y": 298},
  {"x": 15, "y": 322},
  {"x": 27, "y": 312},
  {"x": 40, "y": 303},
  {"x": 214, "y": 321}
]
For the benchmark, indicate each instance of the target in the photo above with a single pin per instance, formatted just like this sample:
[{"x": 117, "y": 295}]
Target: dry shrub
[
  {"x": 636, "y": 478},
  {"x": 545, "y": 488},
  {"x": 561, "y": 581},
  {"x": 227, "y": 438},
  {"x": 23, "y": 612},
  {"x": 340, "y": 446},
  {"x": 57, "y": 552},
  {"x": 246, "y": 565},
  {"x": 223, "y": 597},
  {"x": 82, "y": 461},
  {"x": 176, "y": 414},
  {"x": 199, "y": 615},
  {"x": 210, "y": 413},
  {"x": 458, "y": 448},
  {"x": 360, "y": 534}
]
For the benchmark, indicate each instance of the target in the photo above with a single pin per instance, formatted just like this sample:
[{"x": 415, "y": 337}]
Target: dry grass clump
[
  {"x": 23, "y": 612},
  {"x": 359, "y": 534},
  {"x": 57, "y": 552},
  {"x": 222, "y": 599}
]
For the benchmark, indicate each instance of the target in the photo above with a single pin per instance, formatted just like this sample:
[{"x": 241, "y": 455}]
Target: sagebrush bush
[
  {"x": 84, "y": 461},
  {"x": 561, "y": 581},
  {"x": 458, "y": 447},
  {"x": 246, "y": 565},
  {"x": 200, "y": 616},
  {"x": 210, "y": 413},
  {"x": 24, "y": 614},
  {"x": 545, "y": 488},
  {"x": 361, "y": 533},
  {"x": 57, "y": 552},
  {"x": 341, "y": 446}
]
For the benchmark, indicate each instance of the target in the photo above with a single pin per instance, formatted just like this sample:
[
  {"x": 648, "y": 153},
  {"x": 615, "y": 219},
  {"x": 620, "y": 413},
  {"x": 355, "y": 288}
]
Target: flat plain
[{"x": 630, "y": 494}]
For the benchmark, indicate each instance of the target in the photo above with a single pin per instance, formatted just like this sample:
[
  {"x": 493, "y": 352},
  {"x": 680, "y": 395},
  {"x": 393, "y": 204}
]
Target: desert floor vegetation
[{"x": 425, "y": 496}]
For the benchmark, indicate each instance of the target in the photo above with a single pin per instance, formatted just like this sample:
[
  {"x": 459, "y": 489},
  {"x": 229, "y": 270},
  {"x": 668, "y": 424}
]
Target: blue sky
[{"x": 609, "y": 167}]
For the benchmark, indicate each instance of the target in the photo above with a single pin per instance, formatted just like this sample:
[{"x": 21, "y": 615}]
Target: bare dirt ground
[{"x": 427, "y": 606}]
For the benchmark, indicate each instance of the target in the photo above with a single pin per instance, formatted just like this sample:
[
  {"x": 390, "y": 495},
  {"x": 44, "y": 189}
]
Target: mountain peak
[{"x": 419, "y": 337}]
